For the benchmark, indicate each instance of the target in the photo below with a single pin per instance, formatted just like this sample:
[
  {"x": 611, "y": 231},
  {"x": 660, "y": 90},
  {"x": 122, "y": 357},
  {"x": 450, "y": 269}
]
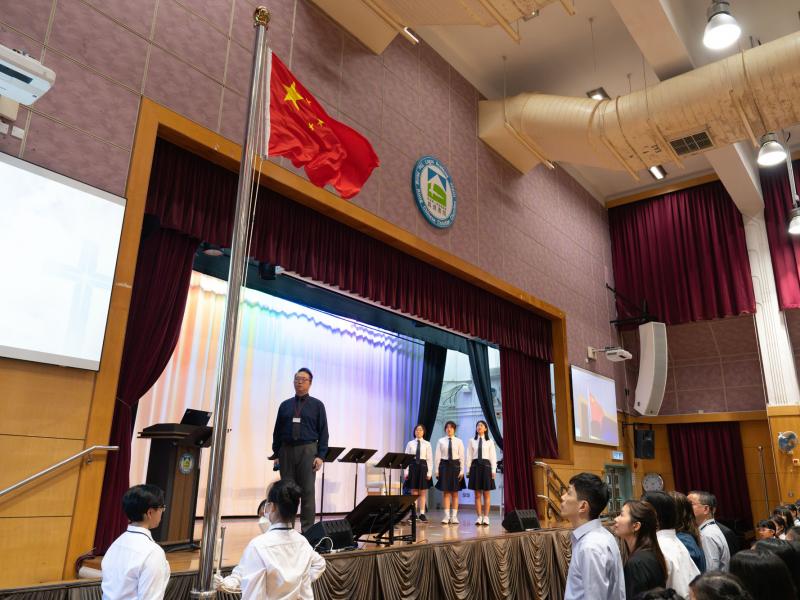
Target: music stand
[
  {"x": 394, "y": 460},
  {"x": 357, "y": 456},
  {"x": 332, "y": 455},
  {"x": 375, "y": 515}
]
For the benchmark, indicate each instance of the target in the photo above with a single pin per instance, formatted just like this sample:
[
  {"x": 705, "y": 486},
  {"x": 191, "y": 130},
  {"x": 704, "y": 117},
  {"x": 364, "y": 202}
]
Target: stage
[{"x": 447, "y": 561}]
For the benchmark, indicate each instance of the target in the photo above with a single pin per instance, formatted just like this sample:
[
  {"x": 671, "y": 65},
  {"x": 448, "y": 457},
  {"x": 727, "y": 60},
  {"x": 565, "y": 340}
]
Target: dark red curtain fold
[
  {"x": 684, "y": 253},
  {"x": 709, "y": 457},
  {"x": 198, "y": 199},
  {"x": 528, "y": 425},
  {"x": 160, "y": 289},
  {"x": 784, "y": 249}
]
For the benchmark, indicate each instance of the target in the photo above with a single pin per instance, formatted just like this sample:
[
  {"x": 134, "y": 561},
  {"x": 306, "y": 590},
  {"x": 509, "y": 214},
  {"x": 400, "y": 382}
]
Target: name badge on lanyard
[{"x": 296, "y": 420}]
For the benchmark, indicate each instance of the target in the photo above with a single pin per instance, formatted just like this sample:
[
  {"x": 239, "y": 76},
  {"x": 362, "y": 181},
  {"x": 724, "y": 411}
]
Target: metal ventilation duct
[{"x": 740, "y": 97}]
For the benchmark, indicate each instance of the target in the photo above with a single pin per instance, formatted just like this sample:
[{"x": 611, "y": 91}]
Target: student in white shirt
[
  {"x": 449, "y": 467},
  {"x": 280, "y": 564},
  {"x": 481, "y": 466},
  {"x": 595, "y": 570},
  {"x": 715, "y": 546},
  {"x": 418, "y": 473},
  {"x": 233, "y": 582},
  {"x": 135, "y": 567},
  {"x": 681, "y": 569}
]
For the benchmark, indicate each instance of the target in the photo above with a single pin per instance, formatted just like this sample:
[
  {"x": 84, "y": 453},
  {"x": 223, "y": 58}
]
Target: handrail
[
  {"x": 551, "y": 505},
  {"x": 52, "y": 468},
  {"x": 551, "y": 472}
]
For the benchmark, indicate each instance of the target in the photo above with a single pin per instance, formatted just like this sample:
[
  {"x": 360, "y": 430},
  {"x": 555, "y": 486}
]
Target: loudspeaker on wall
[
  {"x": 644, "y": 443},
  {"x": 652, "y": 368}
]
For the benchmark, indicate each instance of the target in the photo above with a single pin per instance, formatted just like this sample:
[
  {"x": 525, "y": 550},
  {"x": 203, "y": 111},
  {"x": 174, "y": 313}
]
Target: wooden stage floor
[{"x": 238, "y": 532}]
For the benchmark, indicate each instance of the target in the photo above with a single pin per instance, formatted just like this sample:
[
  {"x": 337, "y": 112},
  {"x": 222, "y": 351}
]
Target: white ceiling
[{"x": 555, "y": 56}]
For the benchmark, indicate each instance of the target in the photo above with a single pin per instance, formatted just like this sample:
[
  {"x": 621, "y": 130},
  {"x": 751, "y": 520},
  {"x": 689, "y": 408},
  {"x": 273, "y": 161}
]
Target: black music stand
[
  {"x": 357, "y": 456},
  {"x": 394, "y": 460},
  {"x": 377, "y": 515},
  {"x": 332, "y": 455}
]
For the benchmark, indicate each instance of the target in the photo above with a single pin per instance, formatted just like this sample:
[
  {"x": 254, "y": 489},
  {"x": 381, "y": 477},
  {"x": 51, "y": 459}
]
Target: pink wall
[{"x": 541, "y": 232}]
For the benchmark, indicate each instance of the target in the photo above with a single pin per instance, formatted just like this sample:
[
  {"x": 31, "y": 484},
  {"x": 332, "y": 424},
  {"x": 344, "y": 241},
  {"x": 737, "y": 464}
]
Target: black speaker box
[
  {"x": 521, "y": 520},
  {"x": 644, "y": 443},
  {"x": 339, "y": 532}
]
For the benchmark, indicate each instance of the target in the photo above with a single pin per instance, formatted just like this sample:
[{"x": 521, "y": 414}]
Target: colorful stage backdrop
[{"x": 369, "y": 380}]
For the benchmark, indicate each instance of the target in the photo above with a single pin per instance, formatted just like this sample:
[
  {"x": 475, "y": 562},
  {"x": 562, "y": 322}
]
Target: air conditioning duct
[{"x": 737, "y": 98}]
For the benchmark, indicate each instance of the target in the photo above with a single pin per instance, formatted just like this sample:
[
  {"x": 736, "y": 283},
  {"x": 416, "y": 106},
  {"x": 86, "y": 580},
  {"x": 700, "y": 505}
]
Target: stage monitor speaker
[
  {"x": 338, "y": 531},
  {"x": 521, "y": 520},
  {"x": 644, "y": 443},
  {"x": 652, "y": 368}
]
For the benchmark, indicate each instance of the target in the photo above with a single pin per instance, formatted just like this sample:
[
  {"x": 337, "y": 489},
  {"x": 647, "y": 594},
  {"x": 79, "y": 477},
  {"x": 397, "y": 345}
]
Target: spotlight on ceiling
[
  {"x": 658, "y": 172},
  {"x": 722, "y": 30},
  {"x": 598, "y": 94},
  {"x": 532, "y": 15},
  {"x": 771, "y": 152},
  {"x": 794, "y": 221}
]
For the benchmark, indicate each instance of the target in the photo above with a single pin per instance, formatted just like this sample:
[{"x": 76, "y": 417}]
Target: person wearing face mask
[
  {"x": 280, "y": 564},
  {"x": 233, "y": 582}
]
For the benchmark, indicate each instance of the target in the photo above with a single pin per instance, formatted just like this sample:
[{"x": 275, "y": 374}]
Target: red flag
[{"x": 301, "y": 130}]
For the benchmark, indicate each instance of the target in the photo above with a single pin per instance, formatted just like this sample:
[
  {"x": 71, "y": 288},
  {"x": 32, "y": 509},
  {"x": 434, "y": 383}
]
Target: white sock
[
  {"x": 454, "y": 513},
  {"x": 447, "y": 514}
]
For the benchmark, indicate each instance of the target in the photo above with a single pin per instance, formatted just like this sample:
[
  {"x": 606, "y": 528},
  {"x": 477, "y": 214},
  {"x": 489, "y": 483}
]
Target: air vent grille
[{"x": 695, "y": 142}]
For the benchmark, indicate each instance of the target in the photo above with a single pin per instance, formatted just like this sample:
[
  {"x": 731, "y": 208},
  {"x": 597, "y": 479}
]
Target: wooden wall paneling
[{"x": 49, "y": 534}]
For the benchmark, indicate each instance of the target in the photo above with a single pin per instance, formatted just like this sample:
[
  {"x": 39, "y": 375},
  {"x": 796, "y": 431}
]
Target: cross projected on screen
[
  {"x": 594, "y": 405},
  {"x": 61, "y": 239}
]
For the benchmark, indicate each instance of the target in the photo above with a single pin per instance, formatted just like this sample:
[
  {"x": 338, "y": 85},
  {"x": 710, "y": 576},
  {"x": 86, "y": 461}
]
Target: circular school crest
[
  {"x": 186, "y": 463},
  {"x": 434, "y": 192}
]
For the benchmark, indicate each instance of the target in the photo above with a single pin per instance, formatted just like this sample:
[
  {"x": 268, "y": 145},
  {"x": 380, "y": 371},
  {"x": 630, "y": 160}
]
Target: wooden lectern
[{"x": 174, "y": 466}]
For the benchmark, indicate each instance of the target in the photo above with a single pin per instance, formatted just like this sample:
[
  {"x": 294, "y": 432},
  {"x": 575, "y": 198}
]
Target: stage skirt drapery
[
  {"x": 525, "y": 566},
  {"x": 684, "y": 253}
]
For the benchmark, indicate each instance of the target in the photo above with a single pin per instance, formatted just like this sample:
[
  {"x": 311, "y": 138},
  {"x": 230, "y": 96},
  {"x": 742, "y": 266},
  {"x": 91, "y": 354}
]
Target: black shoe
[{"x": 423, "y": 518}]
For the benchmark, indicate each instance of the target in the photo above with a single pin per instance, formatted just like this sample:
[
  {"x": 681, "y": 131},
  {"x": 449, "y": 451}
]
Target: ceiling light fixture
[
  {"x": 772, "y": 151},
  {"x": 722, "y": 29},
  {"x": 532, "y": 15},
  {"x": 794, "y": 221},
  {"x": 658, "y": 172},
  {"x": 598, "y": 94}
]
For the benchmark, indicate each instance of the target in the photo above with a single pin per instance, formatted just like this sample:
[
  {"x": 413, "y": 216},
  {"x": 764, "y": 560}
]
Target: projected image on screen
[
  {"x": 594, "y": 402},
  {"x": 61, "y": 240}
]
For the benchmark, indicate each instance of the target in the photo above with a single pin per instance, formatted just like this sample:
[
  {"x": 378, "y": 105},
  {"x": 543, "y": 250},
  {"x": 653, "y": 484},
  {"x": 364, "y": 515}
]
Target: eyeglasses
[{"x": 301, "y": 379}]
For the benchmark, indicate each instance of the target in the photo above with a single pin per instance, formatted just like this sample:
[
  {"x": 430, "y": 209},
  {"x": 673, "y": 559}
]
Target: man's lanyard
[{"x": 298, "y": 406}]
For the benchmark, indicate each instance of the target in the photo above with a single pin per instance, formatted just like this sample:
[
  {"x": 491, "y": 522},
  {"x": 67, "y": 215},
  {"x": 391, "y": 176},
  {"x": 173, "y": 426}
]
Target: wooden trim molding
[
  {"x": 789, "y": 410},
  {"x": 720, "y": 417},
  {"x": 673, "y": 186},
  {"x": 156, "y": 121}
]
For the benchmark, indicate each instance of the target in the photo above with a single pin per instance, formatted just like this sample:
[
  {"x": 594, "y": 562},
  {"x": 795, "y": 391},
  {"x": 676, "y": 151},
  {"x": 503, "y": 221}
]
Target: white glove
[
  {"x": 217, "y": 583},
  {"x": 231, "y": 583}
]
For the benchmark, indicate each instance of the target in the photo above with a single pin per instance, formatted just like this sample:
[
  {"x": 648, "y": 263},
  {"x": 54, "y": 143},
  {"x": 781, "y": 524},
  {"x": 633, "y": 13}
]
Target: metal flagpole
[{"x": 238, "y": 263}]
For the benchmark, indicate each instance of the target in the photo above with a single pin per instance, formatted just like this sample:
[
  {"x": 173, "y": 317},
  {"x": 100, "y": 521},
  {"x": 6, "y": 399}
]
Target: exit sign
[{"x": 617, "y": 455}]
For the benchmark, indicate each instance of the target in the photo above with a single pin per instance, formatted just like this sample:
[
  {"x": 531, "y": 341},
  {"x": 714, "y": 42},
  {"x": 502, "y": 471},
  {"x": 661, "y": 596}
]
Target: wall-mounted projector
[
  {"x": 612, "y": 353},
  {"x": 23, "y": 79}
]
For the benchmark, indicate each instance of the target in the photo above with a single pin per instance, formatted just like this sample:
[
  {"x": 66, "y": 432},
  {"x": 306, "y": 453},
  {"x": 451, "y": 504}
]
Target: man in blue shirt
[
  {"x": 300, "y": 441},
  {"x": 595, "y": 571}
]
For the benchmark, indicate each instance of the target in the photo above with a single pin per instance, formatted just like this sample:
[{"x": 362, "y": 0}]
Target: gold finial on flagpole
[{"x": 261, "y": 16}]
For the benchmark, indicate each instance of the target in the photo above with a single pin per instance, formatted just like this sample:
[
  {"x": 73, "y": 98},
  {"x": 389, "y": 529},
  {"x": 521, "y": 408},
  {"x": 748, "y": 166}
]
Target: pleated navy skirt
[
  {"x": 418, "y": 476},
  {"x": 480, "y": 475},
  {"x": 448, "y": 480}
]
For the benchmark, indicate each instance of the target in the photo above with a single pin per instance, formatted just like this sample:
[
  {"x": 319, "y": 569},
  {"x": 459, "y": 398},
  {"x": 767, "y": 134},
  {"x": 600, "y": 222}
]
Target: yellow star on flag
[{"x": 292, "y": 95}]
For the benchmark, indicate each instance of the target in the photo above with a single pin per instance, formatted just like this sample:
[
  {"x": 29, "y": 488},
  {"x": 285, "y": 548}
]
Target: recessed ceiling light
[
  {"x": 532, "y": 15},
  {"x": 657, "y": 172},
  {"x": 722, "y": 30},
  {"x": 598, "y": 94}
]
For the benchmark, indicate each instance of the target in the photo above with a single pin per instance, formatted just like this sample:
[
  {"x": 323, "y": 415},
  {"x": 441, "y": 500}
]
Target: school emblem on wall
[
  {"x": 434, "y": 192},
  {"x": 186, "y": 463}
]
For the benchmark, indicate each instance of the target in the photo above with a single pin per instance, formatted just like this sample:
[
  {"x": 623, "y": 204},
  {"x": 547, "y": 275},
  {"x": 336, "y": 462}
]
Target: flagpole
[{"x": 236, "y": 274}]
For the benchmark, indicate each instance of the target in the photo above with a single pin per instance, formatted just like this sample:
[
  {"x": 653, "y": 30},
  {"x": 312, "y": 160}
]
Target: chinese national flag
[{"x": 300, "y": 129}]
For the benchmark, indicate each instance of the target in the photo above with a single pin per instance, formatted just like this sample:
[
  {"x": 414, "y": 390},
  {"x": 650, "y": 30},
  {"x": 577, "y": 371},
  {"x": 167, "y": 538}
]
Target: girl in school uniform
[
  {"x": 418, "y": 473},
  {"x": 481, "y": 466},
  {"x": 449, "y": 469}
]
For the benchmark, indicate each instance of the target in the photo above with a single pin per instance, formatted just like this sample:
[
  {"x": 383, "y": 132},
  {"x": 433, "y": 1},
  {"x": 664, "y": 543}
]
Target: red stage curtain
[
  {"x": 198, "y": 199},
  {"x": 709, "y": 457},
  {"x": 528, "y": 425},
  {"x": 683, "y": 252},
  {"x": 784, "y": 248},
  {"x": 161, "y": 285}
]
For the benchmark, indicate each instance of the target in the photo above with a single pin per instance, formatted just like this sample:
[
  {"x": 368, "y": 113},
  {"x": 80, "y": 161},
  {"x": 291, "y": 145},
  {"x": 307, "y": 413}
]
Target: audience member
[
  {"x": 787, "y": 515},
  {"x": 595, "y": 571},
  {"x": 715, "y": 546},
  {"x": 233, "y": 582},
  {"x": 793, "y": 509},
  {"x": 787, "y": 553},
  {"x": 716, "y": 585},
  {"x": 765, "y": 530},
  {"x": 135, "y": 567},
  {"x": 686, "y": 529},
  {"x": 658, "y": 594},
  {"x": 734, "y": 544},
  {"x": 680, "y": 568},
  {"x": 793, "y": 535},
  {"x": 764, "y": 575},
  {"x": 280, "y": 563},
  {"x": 780, "y": 526},
  {"x": 644, "y": 567}
]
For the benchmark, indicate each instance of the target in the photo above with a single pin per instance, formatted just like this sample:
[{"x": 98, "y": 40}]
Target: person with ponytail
[
  {"x": 644, "y": 565},
  {"x": 280, "y": 563}
]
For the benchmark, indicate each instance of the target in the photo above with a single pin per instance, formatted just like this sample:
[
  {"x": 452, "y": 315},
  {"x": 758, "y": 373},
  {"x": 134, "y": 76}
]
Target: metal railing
[{"x": 55, "y": 467}]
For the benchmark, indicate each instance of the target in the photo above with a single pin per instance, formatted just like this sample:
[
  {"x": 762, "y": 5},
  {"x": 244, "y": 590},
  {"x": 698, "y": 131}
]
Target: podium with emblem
[{"x": 174, "y": 466}]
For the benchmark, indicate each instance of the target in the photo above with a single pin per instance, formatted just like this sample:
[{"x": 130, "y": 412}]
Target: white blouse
[
  {"x": 425, "y": 452},
  {"x": 441, "y": 452},
  {"x": 489, "y": 452}
]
